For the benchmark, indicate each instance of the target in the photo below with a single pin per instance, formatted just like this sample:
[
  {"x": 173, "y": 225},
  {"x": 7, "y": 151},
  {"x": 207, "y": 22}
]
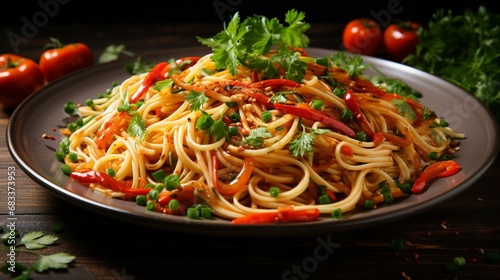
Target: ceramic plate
[{"x": 42, "y": 113}]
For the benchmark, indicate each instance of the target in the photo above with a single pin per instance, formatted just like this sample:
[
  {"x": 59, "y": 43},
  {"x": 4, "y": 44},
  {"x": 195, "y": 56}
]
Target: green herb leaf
[
  {"x": 197, "y": 100},
  {"x": 37, "y": 240},
  {"x": 137, "y": 127},
  {"x": 404, "y": 108},
  {"x": 138, "y": 66},
  {"x": 161, "y": 85},
  {"x": 54, "y": 261},
  {"x": 243, "y": 43},
  {"x": 219, "y": 130},
  {"x": 352, "y": 63},
  {"x": 113, "y": 52}
]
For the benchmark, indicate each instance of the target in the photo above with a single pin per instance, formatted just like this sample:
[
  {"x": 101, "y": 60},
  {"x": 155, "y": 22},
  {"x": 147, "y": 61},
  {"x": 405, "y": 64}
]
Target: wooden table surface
[{"x": 467, "y": 225}]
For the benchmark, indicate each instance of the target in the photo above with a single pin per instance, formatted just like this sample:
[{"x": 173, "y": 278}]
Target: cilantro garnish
[
  {"x": 33, "y": 241},
  {"x": 161, "y": 85},
  {"x": 219, "y": 130},
  {"x": 196, "y": 100},
  {"x": 244, "y": 43},
  {"x": 303, "y": 144},
  {"x": 353, "y": 64},
  {"x": 404, "y": 108},
  {"x": 256, "y": 136}
]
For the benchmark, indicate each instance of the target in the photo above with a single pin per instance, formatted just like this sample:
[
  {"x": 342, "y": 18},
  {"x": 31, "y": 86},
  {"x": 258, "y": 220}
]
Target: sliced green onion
[
  {"x": 369, "y": 204},
  {"x": 153, "y": 194},
  {"x": 361, "y": 136},
  {"x": 405, "y": 186},
  {"x": 324, "y": 199},
  {"x": 159, "y": 187},
  {"x": 317, "y": 104},
  {"x": 172, "y": 182},
  {"x": 159, "y": 175},
  {"x": 141, "y": 200},
  {"x": 193, "y": 213},
  {"x": 345, "y": 114},
  {"x": 60, "y": 155},
  {"x": 388, "y": 198},
  {"x": 173, "y": 205},
  {"x": 89, "y": 102},
  {"x": 231, "y": 104},
  {"x": 233, "y": 130},
  {"x": 337, "y": 213},
  {"x": 79, "y": 121},
  {"x": 111, "y": 172},
  {"x": 204, "y": 122},
  {"x": 266, "y": 116},
  {"x": 433, "y": 155},
  {"x": 235, "y": 117},
  {"x": 66, "y": 169},
  {"x": 274, "y": 191},
  {"x": 460, "y": 261},
  {"x": 69, "y": 108},
  {"x": 123, "y": 108},
  {"x": 150, "y": 205},
  {"x": 206, "y": 212}
]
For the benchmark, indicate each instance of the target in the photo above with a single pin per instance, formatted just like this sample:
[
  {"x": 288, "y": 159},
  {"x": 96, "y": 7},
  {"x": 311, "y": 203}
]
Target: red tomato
[
  {"x": 362, "y": 36},
  {"x": 400, "y": 40},
  {"x": 19, "y": 78},
  {"x": 59, "y": 60}
]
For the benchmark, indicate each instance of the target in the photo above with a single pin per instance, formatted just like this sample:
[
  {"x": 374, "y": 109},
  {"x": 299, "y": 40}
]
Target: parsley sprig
[
  {"x": 33, "y": 241},
  {"x": 303, "y": 144},
  {"x": 245, "y": 43}
]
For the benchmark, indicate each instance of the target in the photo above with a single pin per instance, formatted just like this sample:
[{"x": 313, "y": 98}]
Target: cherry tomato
[
  {"x": 362, "y": 36},
  {"x": 59, "y": 60},
  {"x": 19, "y": 78},
  {"x": 400, "y": 40}
]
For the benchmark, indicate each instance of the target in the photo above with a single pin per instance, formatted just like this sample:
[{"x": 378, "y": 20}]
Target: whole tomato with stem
[
  {"x": 362, "y": 36},
  {"x": 19, "y": 78},
  {"x": 59, "y": 59},
  {"x": 401, "y": 39}
]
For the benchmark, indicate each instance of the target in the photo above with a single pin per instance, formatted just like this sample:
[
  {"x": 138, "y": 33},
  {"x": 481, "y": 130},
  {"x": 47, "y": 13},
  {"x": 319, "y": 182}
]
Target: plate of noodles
[{"x": 196, "y": 156}]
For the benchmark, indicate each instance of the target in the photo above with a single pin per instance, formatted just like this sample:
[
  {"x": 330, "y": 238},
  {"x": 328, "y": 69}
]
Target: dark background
[
  {"x": 32, "y": 22},
  {"x": 142, "y": 11}
]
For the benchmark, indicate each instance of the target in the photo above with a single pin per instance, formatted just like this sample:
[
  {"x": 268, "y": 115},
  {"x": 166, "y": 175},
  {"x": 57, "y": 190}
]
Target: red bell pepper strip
[
  {"x": 434, "y": 171},
  {"x": 275, "y": 84},
  {"x": 238, "y": 183},
  {"x": 304, "y": 111},
  {"x": 151, "y": 78},
  {"x": 347, "y": 150},
  {"x": 182, "y": 194},
  {"x": 97, "y": 177},
  {"x": 283, "y": 215},
  {"x": 352, "y": 104},
  {"x": 105, "y": 137}
]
